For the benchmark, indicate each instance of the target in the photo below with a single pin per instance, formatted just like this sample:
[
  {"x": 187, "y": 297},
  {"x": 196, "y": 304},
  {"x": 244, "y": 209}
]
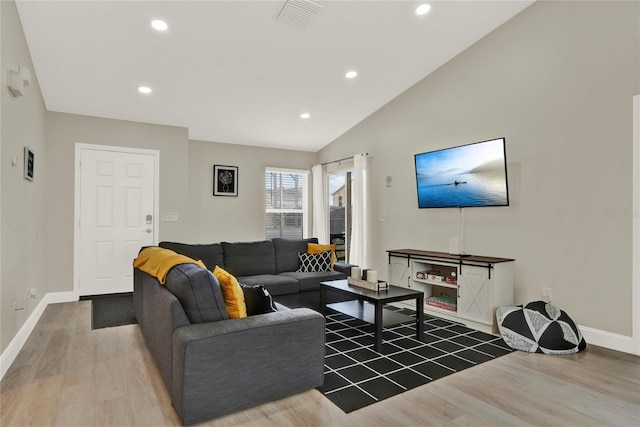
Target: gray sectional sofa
[
  {"x": 212, "y": 365},
  {"x": 272, "y": 263}
]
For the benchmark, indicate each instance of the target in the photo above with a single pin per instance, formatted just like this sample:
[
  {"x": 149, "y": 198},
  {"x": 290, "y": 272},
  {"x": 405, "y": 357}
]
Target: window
[{"x": 285, "y": 203}]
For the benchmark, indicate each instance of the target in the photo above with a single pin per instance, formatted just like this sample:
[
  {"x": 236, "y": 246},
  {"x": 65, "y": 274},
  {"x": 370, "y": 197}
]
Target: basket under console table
[{"x": 461, "y": 288}]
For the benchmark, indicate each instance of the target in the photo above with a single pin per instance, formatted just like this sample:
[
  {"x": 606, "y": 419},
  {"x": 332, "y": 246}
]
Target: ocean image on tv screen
[{"x": 466, "y": 176}]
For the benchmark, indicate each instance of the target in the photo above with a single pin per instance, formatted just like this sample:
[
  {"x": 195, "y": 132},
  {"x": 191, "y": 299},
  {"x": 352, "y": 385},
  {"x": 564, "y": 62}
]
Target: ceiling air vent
[{"x": 299, "y": 13}]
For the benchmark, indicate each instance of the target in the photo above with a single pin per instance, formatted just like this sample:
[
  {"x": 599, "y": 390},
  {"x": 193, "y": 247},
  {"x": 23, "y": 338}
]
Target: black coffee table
[{"x": 368, "y": 306}]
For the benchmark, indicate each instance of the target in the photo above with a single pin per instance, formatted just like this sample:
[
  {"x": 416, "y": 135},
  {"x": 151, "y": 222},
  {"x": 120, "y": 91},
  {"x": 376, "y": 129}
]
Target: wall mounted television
[{"x": 472, "y": 175}]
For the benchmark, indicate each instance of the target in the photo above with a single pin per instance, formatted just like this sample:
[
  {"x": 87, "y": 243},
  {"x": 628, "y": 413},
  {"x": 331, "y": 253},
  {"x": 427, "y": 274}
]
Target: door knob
[{"x": 148, "y": 230}]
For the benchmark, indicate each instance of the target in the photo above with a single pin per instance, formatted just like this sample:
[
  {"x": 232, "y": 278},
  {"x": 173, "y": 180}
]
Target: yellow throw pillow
[
  {"x": 315, "y": 248},
  {"x": 232, "y": 294}
]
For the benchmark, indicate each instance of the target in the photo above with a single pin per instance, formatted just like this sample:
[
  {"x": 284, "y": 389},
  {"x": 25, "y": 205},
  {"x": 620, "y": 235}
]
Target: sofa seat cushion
[
  {"x": 311, "y": 281},
  {"x": 210, "y": 255},
  {"x": 287, "y": 252},
  {"x": 198, "y": 291},
  {"x": 275, "y": 284},
  {"x": 249, "y": 258}
]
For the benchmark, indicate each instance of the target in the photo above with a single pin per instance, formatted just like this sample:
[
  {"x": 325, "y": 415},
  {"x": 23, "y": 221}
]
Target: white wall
[
  {"x": 557, "y": 81},
  {"x": 221, "y": 218},
  {"x": 23, "y": 209}
]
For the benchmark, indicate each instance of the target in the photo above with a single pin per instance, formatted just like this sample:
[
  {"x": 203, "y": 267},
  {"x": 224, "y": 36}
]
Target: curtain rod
[{"x": 342, "y": 160}]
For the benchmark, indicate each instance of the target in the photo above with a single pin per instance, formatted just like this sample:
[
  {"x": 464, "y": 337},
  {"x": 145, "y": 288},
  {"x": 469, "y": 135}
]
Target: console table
[{"x": 465, "y": 289}]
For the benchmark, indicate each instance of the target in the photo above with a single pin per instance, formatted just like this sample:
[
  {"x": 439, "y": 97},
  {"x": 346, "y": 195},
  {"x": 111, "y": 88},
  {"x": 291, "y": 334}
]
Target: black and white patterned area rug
[{"x": 357, "y": 376}]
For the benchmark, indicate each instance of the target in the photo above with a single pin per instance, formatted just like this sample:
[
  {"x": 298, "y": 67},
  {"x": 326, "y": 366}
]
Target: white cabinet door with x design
[{"x": 475, "y": 294}]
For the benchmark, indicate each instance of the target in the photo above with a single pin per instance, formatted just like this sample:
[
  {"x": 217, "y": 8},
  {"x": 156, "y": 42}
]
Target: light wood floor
[{"x": 69, "y": 375}]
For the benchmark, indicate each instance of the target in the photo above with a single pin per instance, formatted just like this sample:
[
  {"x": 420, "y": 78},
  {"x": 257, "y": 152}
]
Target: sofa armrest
[
  {"x": 159, "y": 313},
  {"x": 343, "y": 267},
  {"x": 225, "y": 366}
]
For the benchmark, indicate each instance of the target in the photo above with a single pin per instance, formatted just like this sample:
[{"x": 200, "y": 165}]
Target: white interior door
[{"x": 117, "y": 217}]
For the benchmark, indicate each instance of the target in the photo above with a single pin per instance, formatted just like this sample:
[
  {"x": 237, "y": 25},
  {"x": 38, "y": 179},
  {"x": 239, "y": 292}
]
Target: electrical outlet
[
  {"x": 32, "y": 293},
  {"x": 546, "y": 294}
]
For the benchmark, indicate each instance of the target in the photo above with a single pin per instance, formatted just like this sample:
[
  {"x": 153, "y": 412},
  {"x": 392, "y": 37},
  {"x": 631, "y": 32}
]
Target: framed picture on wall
[
  {"x": 225, "y": 180},
  {"x": 29, "y": 157}
]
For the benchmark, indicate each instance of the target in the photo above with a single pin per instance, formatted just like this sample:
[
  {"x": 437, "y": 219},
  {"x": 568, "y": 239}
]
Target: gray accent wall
[
  {"x": 63, "y": 132},
  {"x": 220, "y": 218},
  {"x": 22, "y": 202},
  {"x": 186, "y": 184},
  {"x": 557, "y": 81}
]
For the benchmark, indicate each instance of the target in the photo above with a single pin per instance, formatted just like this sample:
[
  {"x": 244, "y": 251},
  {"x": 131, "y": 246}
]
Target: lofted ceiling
[{"x": 230, "y": 72}]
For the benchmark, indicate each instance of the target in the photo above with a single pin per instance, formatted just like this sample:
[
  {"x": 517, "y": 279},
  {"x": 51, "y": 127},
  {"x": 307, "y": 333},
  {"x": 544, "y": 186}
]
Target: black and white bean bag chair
[{"x": 539, "y": 327}]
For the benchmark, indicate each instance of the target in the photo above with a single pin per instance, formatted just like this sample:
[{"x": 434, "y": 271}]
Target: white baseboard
[
  {"x": 57, "y": 297},
  {"x": 608, "y": 339},
  {"x": 16, "y": 344}
]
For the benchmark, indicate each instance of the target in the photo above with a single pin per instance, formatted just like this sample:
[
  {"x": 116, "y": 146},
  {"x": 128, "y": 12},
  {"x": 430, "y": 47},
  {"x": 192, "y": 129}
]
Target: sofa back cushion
[
  {"x": 249, "y": 258},
  {"x": 198, "y": 291},
  {"x": 210, "y": 254},
  {"x": 287, "y": 252}
]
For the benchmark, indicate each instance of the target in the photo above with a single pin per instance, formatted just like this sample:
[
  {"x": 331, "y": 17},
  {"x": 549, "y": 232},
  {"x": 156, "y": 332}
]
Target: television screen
[{"x": 470, "y": 175}]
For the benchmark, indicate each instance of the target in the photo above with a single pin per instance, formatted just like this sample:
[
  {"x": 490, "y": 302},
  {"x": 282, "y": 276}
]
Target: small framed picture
[
  {"x": 225, "y": 180},
  {"x": 28, "y": 163}
]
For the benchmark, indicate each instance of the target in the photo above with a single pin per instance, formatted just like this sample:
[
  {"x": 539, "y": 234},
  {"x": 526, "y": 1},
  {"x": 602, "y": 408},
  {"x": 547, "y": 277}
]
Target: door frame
[
  {"x": 79, "y": 147},
  {"x": 341, "y": 167}
]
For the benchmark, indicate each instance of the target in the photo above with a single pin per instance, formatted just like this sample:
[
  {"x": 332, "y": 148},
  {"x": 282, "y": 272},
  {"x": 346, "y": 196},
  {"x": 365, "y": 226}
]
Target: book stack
[
  {"x": 381, "y": 285},
  {"x": 446, "y": 302}
]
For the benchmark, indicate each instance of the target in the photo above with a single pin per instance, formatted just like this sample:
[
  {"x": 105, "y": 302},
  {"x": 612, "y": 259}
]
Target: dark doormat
[
  {"x": 356, "y": 376},
  {"x": 112, "y": 310}
]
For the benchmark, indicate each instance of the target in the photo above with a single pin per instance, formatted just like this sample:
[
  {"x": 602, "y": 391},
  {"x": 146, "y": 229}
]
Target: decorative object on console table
[
  {"x": 225, "y": 180},
  {"x": 381, "y": 285}
]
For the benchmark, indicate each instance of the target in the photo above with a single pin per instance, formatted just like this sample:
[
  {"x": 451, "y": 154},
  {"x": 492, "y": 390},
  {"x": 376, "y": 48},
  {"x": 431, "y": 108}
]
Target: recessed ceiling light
[
  {"x": 305, "y": 115},
  {"x": 351, "y": 74},
  {"x": 159, "y": 25},
  {"x": 423, "y": 9},
  {"x": 144, "y": 89}
]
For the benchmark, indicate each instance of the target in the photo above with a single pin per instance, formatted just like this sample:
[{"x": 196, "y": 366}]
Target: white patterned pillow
[{"x": 310, "y": 263}]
